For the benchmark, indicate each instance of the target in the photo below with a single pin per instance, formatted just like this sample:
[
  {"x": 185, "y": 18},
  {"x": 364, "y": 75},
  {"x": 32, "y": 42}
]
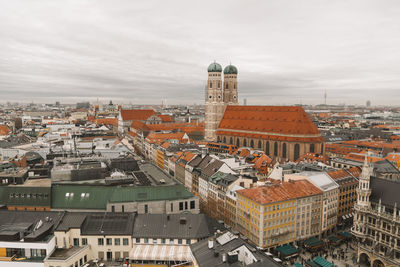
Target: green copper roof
[
  {"x": 97, "y": 196},
  {"x": 230, "y": 69},
  {"x": 214, "y": 67}
]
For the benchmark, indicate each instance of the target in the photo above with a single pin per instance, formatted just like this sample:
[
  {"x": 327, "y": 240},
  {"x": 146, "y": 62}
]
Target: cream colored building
[
  {"x": 108, "y": 235},
  {"x": 75, "y": 256}
]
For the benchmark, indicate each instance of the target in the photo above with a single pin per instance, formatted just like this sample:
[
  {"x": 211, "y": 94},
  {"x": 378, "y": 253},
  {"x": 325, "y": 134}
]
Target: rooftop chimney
[{"x": 210, "y": 243}]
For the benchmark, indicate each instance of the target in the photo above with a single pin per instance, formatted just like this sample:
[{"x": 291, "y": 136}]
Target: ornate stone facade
[{"x": 377, "y": 220}]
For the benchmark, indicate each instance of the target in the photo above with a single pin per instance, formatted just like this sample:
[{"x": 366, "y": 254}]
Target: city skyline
[{"x": 286, "y": 53}]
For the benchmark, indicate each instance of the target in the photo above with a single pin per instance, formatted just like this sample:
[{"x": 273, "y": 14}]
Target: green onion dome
[
  {"x": 214, "y": 67},
  {"x": 230, "y": 69}
]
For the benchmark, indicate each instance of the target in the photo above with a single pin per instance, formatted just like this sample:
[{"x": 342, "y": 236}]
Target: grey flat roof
[
  {"x": 169, "y": 226},
  {"x": 64, "y": 253},
  {"x": 108, "y": 224},
  {"x": 386, "y": 190}
]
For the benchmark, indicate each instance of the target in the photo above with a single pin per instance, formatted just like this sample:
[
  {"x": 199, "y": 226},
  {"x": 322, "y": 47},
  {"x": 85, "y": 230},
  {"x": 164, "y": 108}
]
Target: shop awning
[
  {"x": 313, "y": 242},
  {"x": 160, "y": 252},
  {"x": 334, "y": 239},
  {"x": 312, "y": 264},
  {"x": 323, "y": 262},
  {"x": 298, "y": 265},
  {"x": 287, "y": 250},
  {"x": 344, "y": 234}
]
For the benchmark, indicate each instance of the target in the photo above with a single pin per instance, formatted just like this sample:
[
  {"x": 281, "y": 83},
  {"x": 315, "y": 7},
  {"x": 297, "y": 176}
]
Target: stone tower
[
  {"x": 364, "y": 190},
  {"x": 230, "y": 85},
  {"x": 214, "y": 101}
]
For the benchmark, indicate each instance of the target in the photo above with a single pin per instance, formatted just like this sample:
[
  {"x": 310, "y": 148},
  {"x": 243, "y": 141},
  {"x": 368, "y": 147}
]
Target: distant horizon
[{"x": 105, "y": 102}]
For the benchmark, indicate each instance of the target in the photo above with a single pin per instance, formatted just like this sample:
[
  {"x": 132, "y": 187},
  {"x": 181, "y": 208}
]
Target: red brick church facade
[{"x": 283, "y": 132}]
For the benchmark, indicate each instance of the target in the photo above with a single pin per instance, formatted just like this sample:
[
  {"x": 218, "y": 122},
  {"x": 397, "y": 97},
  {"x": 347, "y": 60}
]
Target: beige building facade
[{"x": 218, "y": 95}]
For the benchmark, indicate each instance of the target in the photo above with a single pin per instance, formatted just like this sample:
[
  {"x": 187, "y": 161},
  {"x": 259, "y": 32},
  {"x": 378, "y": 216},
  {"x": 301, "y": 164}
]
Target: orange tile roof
[
  {"x": 341, "y": 149},
  {"x": 107, "y": 121},
  {"x": 160, "y": 137},
  {"x": 132, "y": 134},
  {"x": 166, "y": 145},
  {"x": 280, "y": 192},
  {"x": 395, "y": 137},
  {"x": 184, "y": 127},
  {"x": 338, "y": 174},
  {"x": 355, "y": 171},
  {"x": 138, "y": 125},
  {"x": 360, "y": 157},
  {"x": 136, "y": 114},
  {"x": 165, "y": 118},
  {"x": 186, "y": 156},
  {"x": 313, "y": 157},
  {"x": 176, "y": 156},
  {"x": 291, "y": 121},
  {"x": 4, "y": 130},
  {"x": 244, "y": 153},
  {"x": 261, "y": 164}
]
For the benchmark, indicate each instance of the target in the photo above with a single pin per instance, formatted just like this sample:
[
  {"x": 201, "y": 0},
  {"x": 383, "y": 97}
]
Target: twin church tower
[{"x": 218, "y": 95}]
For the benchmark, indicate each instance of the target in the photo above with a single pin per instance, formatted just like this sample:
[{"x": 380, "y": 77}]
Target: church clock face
[{"x": 210, "y": 96}]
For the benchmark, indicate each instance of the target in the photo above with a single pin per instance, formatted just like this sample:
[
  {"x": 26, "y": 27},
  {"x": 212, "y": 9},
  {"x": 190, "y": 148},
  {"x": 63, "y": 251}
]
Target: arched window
[
  {"x": 276, "y": 149},
  {"x": 210, "y": 84},
  {"x": 296, "y": 151},
  {"x": 267, "y": 148},
  {"x": 219, "y": 84},
  {"x": 231, "y": 141},
  {"x": 322, "y": 149},
  {"x": 244, "y": 142},
  {"x": 259, "y": 144},
  {"x": 252, "y": 143},
  {"x": 224, "y": 140},
  {"x": 312, "y": 148},
  {"x": 238, "y": 142},
  {"x": 226, "y": 86},
  {"x": 284, "y": 150}
]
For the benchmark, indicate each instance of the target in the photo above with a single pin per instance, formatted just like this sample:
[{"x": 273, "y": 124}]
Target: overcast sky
[{"x": 143, "y": 51}]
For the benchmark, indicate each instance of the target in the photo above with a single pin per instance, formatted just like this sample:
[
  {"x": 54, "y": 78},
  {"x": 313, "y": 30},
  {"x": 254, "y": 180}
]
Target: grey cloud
[{"x": 135, "y": 51}]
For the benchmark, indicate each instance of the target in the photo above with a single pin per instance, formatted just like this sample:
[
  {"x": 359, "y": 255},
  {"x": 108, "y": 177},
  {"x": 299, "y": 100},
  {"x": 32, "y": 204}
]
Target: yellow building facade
[{"x": 266, "y": 215}]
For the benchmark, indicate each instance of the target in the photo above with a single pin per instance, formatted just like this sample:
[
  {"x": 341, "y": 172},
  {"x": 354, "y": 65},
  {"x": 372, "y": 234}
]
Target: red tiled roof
[
  {"x": 355, "y": 171},
  {"x": 184, "y": 127},
  {"x": 4, "y": 130},
  {"x": 107, "y": 121},
  {"x": 341, "y": 149},
  {"x": 132, "y": 134},
  {"x": 313, "y": 157},
  {"x": 261, "y": 164},
  {"x": 138, "y": 125},
  {"x": 136, "y": 114},
  {"x": 160, "y": 137},
  {"x": 165, "y": 118},
  {"x": 338, "y": 174},
  {"x": 286, "y": 120},
  {"x": 166, "y": 145},
  {"x": 280, "y": 192},
  {"x": 360, "y": 157}
]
